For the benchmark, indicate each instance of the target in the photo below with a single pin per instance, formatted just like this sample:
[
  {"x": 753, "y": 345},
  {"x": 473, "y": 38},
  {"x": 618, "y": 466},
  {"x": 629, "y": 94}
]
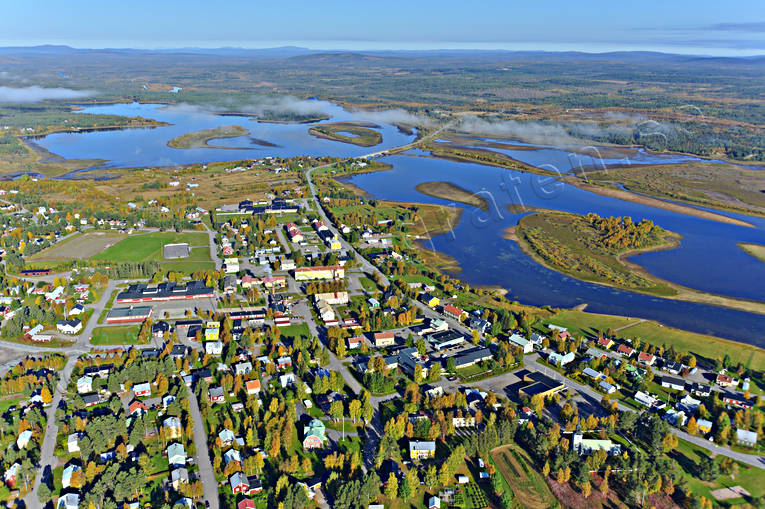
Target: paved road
[
  {"x": 206, "y": 474},
  {"x": 47, "y": 458}
]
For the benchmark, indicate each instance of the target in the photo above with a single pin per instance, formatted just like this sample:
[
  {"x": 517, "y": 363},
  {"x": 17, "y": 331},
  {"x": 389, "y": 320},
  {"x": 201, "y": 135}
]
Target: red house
[
  {"x": 137, "y": 408},
  {"x": 605, "y": 343},
  {"x": 625, "y": 350},
  {"x": 246, "y": 504},
  {"x": 239, "y": 483},
  {"x": 646, "y": 358},
  {"x": 453, "y": 311}
]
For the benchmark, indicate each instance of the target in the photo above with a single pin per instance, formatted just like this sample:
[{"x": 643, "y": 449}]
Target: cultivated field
[
  {"x": 528, "y": 486},
  {"x": 144, "y": 247},
  {"x": 81, "y": 246}
]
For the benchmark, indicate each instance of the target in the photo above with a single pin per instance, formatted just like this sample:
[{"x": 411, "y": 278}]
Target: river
[{"x": 708, "y": 258}]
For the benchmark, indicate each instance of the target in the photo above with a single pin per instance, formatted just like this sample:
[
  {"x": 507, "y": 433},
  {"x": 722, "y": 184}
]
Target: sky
[{"x": 674, "y": 26}]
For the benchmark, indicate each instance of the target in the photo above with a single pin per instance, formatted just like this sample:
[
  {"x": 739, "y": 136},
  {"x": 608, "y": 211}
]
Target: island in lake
[
  {"x": 453, "y": 192},
  {"x": 357, "y": 133},
  {"x": 201, "y": 138}
]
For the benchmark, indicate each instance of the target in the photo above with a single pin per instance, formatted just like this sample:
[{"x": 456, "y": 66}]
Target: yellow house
[
  {"x": 430, "y": 300},
  {"x": 704, "y": 426},
  {"x": 212, "y": 331},
  {"x": 421, "y": 450},
  {"x": 334, "y": 245}
]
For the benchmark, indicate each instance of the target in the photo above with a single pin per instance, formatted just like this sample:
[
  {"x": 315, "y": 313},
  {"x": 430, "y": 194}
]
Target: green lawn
[
  {"x": 293, "y": 331},
  {"x": 148, "y": 247},
  {"x": 5, "y": 404},
  {"x": 652, "y": 332},
  {"x": 120, "y": 335},
  {"x": 689, "y": 455}
]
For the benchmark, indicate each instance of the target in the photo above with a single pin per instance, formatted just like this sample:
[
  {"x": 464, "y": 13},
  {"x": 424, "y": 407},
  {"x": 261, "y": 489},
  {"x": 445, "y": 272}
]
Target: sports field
[
  {"x": 143, "y": 247},
  {"x": 84, "y": 245}
]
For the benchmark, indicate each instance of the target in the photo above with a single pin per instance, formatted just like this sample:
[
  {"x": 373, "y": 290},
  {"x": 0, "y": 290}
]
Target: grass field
[
  {"x": 700, "y": 345},
  {"x": 690, "y": 455},
  {"x": 144, "y": 247},
  {"x": 9, "y": 401},
  {"x": 528, "y": 486},
  {"x": 78, "y": 246},
  {"x": 121, "y": 335}
]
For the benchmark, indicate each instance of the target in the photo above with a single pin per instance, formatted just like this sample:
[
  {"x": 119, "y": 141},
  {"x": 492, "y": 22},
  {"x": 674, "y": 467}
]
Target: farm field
[
  {"x": 85, "y": 245},
  {"x": 148, "y": 247},
  {"x": 528, "y": 486}
]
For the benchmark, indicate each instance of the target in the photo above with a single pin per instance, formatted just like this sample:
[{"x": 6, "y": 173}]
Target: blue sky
[{"x": 679, "y": 26}]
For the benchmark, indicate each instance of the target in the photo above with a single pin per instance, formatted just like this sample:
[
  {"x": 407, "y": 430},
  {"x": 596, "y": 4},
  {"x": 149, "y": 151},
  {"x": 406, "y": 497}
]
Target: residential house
[
  {"x": 434, "y": 502},
  {"x": 725, "y": 380},
  {"x": 172, "y": 427},
  {"x": 84, "y": 384},
  {"x": 560, "y": 360},
  {"x": 737, "y": 400},
  {"x": 585, "y": 446},
  {"x": 701, "y": 390},
  {"x": 454, "y": 312},
  {"x": 646, "y": 359},
  {"x": 73, "y": 442},
  {"x": 625, "y": 351},
  {"x": 591, "y": 373},
  {"x": 673, "y": 382},
  {"x": 314, "y": 435},
  {"x": 68, "y": 501},
  {"x": 69, "y": 326},
  {"x": 23, "y": 439},
  {"x": 142, "y": 390},
  {"x": 242, "y": 368},
  {"x": 11, "y": 475},
  {"x": 704, "y": 426},
  {"x": 216, "y": 395},
  {"x": 178, "y": 477},
  {"x": 226, "y": 437},
  {"x": 66, "y": 476},
  {"x": 232, "y": 455},
  {"x": 521, "y": 342},
  {"x": 429, "y": 299},
  {"x": 239, "y": 483},
  {"x": 384, "y": 339},
  {"x": 214, "y": 348},
  {"x": 137, "y": 407},
  {"x": 607, "y": 387},
  {"x": 421, "y": 449},
  {"x": 252, "y": 387},
  {"x": 176, "y": 454},
  {"x": 355, "y": 342},
  {"x": 284, "y": 362},
  {"x": 746, "y": 438},
  {"x": 606, "y": 343}
]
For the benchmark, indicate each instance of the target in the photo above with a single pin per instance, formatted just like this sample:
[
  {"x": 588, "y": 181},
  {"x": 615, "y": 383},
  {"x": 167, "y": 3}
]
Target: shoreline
[
  {"x": 450, "y": 191},
  {"x": 684, "y": 293},
  {"x": 658, "y": 203}
]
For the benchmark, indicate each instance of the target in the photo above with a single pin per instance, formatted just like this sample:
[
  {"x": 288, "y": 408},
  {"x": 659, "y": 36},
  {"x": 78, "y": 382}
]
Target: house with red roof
[
  {"x": 137, "y": 408},
  {"x": 454, "y": 312},
  {"x": 646, "y": 358},
  {"x": 605, "y": 343},
  {"x": 625, "y": 350}
]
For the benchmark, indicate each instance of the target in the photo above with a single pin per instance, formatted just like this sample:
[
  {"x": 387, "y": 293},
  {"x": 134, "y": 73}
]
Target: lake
[
  {"x": 708, "y": 258},
  {"x": 127, "y": 148}
]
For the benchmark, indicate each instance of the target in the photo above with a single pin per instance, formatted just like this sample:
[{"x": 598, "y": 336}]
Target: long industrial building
[{"x": 165, "y": 292}]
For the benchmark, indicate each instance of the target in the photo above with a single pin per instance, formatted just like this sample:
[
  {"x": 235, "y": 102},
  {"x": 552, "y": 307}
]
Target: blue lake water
[
  {"x": 148, "y": 146},
  {"x": 708, "y": 258}
]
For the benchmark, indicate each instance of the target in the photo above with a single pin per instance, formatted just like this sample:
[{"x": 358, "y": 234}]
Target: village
[{"x": 293, "y": 349}]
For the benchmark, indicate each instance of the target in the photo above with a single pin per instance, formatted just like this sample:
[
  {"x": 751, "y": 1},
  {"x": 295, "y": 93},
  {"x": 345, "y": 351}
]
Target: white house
[
  {"x": 176, "y": 454},
  {"x": 24, "y": 437},
  {"x": 213, "y": 348},
  {"x": 85, "y": 384},
  {"x": 521, "y": 342}
]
